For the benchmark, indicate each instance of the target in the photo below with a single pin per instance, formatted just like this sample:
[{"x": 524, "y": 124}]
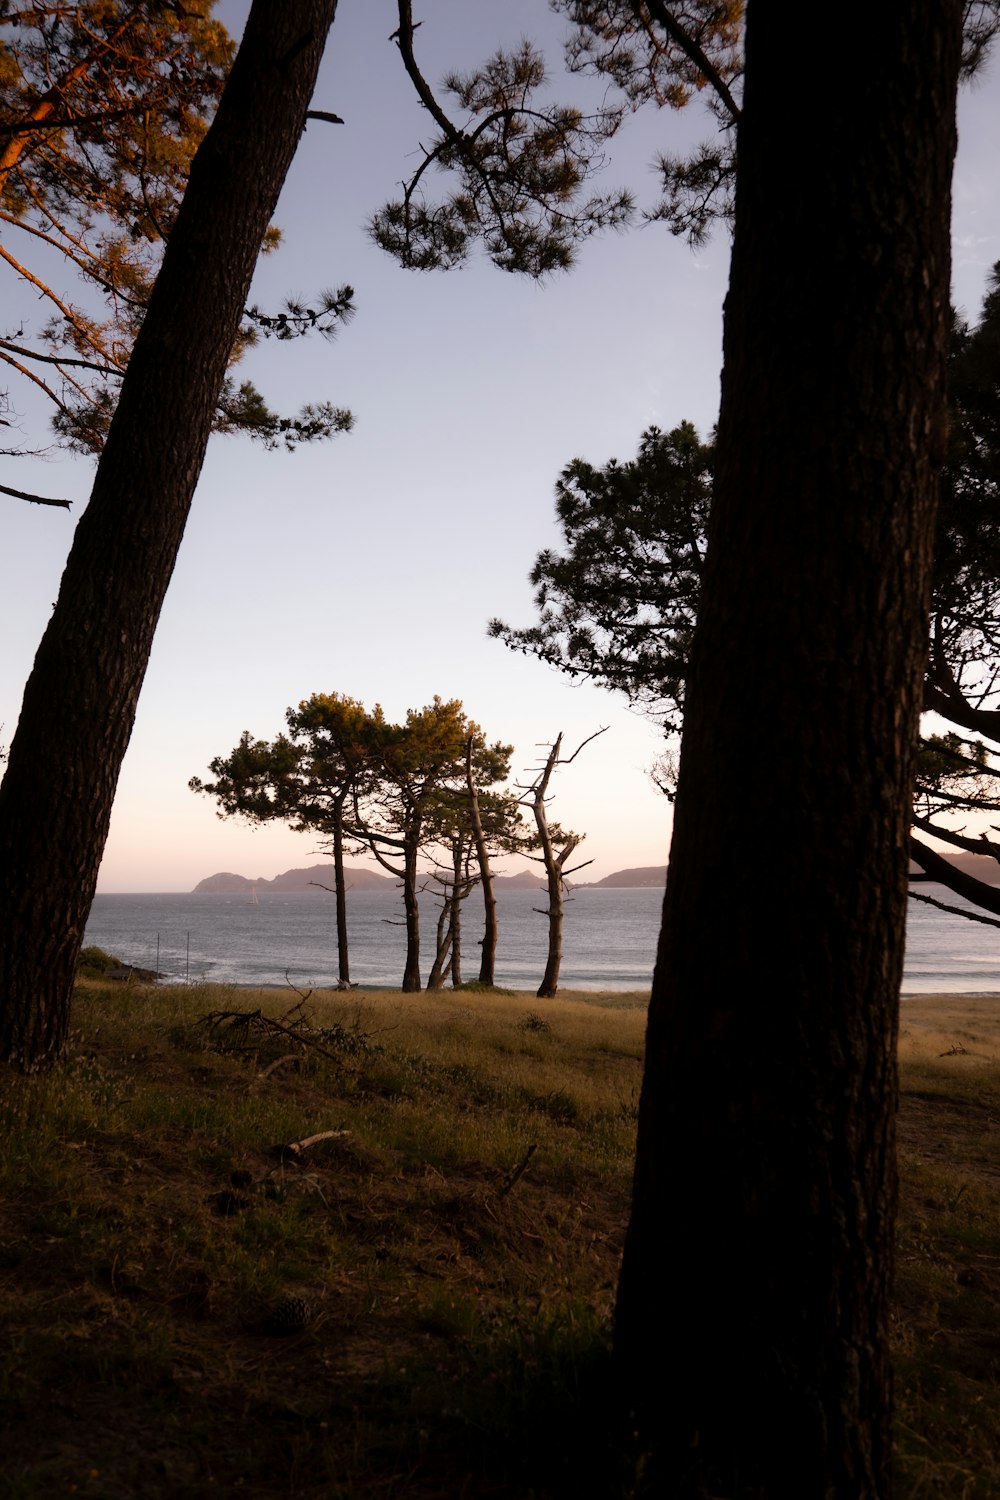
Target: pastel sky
[{"x": 371, "y": 565}]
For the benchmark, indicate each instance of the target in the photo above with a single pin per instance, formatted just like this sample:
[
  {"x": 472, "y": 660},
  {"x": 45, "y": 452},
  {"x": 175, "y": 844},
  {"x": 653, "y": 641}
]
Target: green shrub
[{"x": 94, "y": 963}]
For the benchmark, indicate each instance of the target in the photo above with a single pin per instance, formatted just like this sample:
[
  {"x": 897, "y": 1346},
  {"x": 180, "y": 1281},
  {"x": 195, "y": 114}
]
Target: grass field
[
  {"x": 416, "y": 1304},
  {"x": 948, "y": 1257}
]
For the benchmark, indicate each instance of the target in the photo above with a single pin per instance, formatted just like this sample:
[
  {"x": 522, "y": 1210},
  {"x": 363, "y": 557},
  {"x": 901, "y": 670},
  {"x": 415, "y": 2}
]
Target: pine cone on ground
[{"x": 290, "y": 1315}]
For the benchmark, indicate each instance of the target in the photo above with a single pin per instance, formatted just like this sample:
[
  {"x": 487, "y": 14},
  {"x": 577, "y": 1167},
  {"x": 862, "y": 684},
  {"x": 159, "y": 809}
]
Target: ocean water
[
  {"x": 948, "y": 954},
  {"x": 609, "y": 939}
]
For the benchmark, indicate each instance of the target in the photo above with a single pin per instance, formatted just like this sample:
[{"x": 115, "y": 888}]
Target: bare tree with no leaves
[{"x": 557, "y": 846}]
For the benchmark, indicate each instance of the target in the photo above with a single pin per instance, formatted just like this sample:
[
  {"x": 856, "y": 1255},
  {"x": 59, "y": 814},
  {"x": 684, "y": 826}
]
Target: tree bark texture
[
  {"x": 442, "y": 954},
  {"x": 488, "y": 961},
  {"x": 487, "y": 964},
  {"x": 752, "y": 1317},
  {"x": 343, "y": 946},
  {"x": 460, "y": 888},
  {"x": 80, "y": 702},
  {"x": 411, "y": 907},
  {"x": 435, "y": 978},
  {"x": 549, "y": 986}
]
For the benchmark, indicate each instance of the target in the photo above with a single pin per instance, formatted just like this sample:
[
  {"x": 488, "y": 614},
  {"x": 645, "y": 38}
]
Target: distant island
[
  {"x": 645, "y": 877},
  {"x": 360, "y": 878},
  {"x": 228, "y": 884},
  {"x": 981, "y": 866}
]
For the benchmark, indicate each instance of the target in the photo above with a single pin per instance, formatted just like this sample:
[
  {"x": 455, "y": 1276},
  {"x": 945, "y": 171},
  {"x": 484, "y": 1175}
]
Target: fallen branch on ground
[
  {"x": 256, "y": 1027},
  {"x": 272, "y": 1067},
  {"x": 515, "y": 1176},
  {"x": 294, "y": 1150}
]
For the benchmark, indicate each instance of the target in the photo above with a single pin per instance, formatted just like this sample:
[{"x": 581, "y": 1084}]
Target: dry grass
[
  {"x": 149, "y": 1230},
  {"x": 948, "y": 1277},
  {"x": 456, "y": 1340}
]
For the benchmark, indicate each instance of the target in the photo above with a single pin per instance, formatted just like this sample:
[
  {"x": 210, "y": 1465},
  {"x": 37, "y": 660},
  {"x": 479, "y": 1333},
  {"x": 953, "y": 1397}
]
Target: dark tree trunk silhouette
[
  {"x": 442, "y": 964},
  {"x": 407, "y": 846},
  {"x": 456, "y": 887},
  {"x": 80, "y": 702},
  {"x": 752, "y": 1318},
  {"x": 339, "y": 891},
  {"x": 343, "y": 947},
  {"x": 411, "y": 906},
  {"x": 460, "y": 888},
  {"x": 554, "y": 863},
  {"x": 405, "y": 872},
  {"x": 487, "y": 964},
  {"x": 556, "y": 847}
]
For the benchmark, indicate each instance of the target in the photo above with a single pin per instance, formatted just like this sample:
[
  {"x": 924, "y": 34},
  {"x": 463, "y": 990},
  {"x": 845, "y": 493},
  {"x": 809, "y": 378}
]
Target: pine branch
[
  {"x": 694, "y": 53},
  {"x": 33, "y": 499}
]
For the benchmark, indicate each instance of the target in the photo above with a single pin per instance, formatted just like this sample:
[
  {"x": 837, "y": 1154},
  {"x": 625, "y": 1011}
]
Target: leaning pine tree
[{"x": 80, "y": 701}]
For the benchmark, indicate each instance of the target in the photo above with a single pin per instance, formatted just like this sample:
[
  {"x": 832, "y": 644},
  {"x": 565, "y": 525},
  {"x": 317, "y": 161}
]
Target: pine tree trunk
[
  {"x": 554, "y": 866},
  {"x": 487, "y": 964},
  {"x": 435, "y": 978},
  {"x": 553, "y": 876},
  {"x": 80, "y": 701},
  {"x": 411, "y": 969},
  {"x": 549, "y": 986},
  {"x": 752, "y": 1318},
  {"x": 459, "y": 890},
  {"x": 343, "y": 954}
]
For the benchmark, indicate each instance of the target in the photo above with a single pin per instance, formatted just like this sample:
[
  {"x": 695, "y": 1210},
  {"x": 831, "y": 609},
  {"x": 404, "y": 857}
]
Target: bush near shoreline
[{"x": 366, "y": 1245}]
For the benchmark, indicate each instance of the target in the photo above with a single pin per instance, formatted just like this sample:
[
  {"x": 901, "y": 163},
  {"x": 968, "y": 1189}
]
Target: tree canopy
[
  {"x": 517, "y": 166},
  {"x": 957, "y": 771},
  {"x": 401, "y": 791},
  {"x": 102, "y": 107},
  {"x": 964, "y": 667},
  {"x": 619, "y": 605}
]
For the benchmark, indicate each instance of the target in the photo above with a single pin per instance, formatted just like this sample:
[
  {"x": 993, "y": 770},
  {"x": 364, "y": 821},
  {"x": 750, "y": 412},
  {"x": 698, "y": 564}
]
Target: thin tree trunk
[
  {"x": 459, "y": 890},
  {"x": 752, "y": 1317},
  {"x": 448, "y": 955},
  {"x": 549, "y": 986},
  {"x": 435, "y": 978},
  {"x": 411, "y": 969},
  {"x": 487, "y": 965},
  {"x": 441, "y": 967},
  {"x": 408, "y": 845},
  {"x": 343, "y": 956},
  {"x": 553, "y": 877},
  {"x": 80, "y": 700}
]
